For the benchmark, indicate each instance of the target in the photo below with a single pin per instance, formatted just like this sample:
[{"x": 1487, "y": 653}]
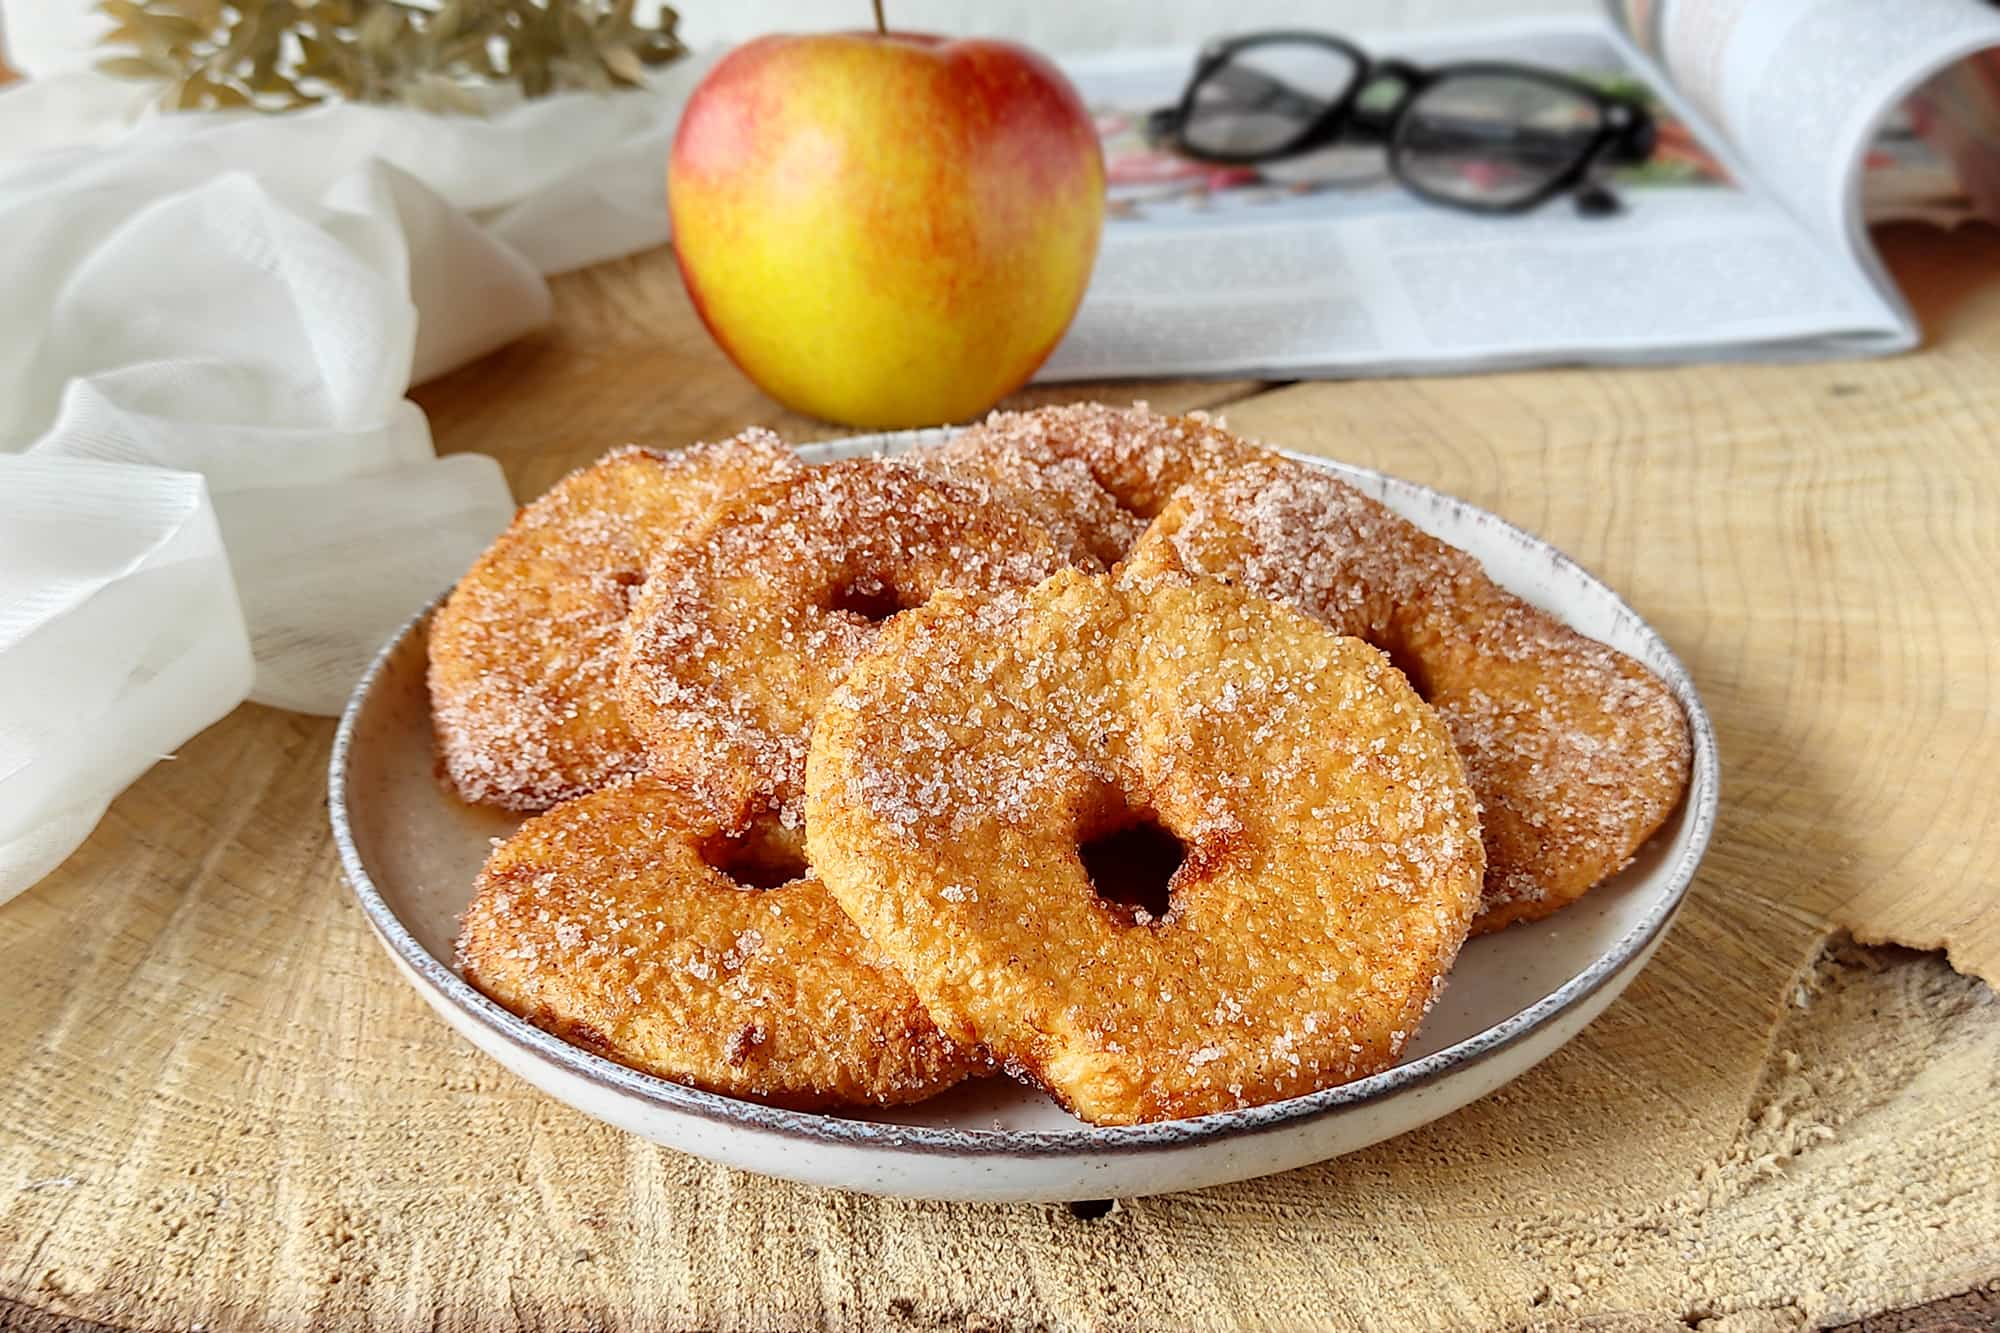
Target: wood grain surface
[{"x": 222, "y": 1109}]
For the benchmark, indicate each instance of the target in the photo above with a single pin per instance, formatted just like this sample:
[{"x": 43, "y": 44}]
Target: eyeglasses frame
[{"x": 1626, "y": 132}]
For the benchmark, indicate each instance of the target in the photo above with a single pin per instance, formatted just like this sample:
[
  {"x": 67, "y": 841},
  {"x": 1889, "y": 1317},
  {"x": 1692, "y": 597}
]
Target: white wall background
[{"x": 42, "y": 36}]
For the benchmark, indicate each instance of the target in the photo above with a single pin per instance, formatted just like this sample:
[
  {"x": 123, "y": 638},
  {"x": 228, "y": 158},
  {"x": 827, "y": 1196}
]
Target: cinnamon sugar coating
[
  {"x": 523, "y": 651},
  {"x": 1331, "y": 854},
  {"x": 1096, "y": 470},
  {"x": 740, "y": 633},
  {"x": 1576, "y": 752},
  {"x": 607, "y": 922}
]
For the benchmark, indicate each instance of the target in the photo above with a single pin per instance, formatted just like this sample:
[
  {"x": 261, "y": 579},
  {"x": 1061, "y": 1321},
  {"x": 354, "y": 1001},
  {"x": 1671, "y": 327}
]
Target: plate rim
[{"x": 1701, "y": 801}]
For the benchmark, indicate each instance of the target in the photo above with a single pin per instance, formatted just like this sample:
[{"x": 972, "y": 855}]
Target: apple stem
[{"x": 881, "y": 24}]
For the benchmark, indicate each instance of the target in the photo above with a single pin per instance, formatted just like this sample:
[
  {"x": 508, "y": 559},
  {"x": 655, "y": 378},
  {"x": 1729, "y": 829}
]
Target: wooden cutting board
[{"x": 222, "y": 1109}]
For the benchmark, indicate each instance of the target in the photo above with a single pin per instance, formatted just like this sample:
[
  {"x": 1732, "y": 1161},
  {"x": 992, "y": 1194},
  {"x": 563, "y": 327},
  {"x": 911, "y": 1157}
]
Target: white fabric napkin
[{"x": 211, "y": 484}]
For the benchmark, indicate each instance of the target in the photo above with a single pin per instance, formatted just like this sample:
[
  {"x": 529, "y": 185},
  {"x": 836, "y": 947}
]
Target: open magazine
[{"x": 1744, "y": 235}]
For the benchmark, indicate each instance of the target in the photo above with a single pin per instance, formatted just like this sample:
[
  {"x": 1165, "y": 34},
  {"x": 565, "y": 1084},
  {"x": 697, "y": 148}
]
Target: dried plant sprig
[{"x": 275, "y": 55}]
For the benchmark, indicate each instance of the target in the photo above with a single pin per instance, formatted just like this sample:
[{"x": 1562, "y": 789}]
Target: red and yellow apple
[{"x": 886, "y": 229}]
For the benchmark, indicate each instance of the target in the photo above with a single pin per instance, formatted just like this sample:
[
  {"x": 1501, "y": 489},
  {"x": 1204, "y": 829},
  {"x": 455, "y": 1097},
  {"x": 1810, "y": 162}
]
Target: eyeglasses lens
[
  {"x": 1261, "y": 98},
  {"x": 1494, "y": 139}
]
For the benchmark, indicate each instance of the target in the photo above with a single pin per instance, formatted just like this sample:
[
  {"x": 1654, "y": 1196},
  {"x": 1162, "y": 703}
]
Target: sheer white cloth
[{"x": 212, "y": 486}]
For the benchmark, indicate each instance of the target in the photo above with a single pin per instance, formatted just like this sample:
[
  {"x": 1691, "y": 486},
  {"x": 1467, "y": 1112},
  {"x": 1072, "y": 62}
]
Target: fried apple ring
[
  {"x": 1063, "y": 505},
  {"x": 524, "y": 650},
  {"x": 739, "y": 635},
  {"x": 624, "y": 924},
  {"x": 1060, "y": 492},
  {"x": 974, "y": 773},
  {"x": 1577, "y": 753},
  {"x": 1097, "y": 470}
]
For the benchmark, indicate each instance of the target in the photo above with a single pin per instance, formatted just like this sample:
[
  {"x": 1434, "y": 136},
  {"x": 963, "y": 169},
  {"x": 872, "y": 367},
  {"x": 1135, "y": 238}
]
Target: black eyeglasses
[{"x": 1488, "y": 137}]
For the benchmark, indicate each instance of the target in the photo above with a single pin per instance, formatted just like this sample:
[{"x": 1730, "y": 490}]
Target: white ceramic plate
[{"x": 411, "y": 852}]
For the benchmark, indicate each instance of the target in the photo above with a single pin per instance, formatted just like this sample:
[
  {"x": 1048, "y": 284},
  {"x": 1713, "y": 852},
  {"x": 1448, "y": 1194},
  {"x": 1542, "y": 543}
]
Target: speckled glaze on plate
[{"x": 411, "y": 851}]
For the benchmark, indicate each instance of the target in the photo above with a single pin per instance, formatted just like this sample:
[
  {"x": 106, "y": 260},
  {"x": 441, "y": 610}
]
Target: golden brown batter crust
[
  {"x": 1332, "y": 855},
  {"x": 740, "y": 634},
  {"x": 608, "y": 922},
  {"x": 1100, "y": 471},
  {"x": 523, "y": 652},
  {"x": 1576, "y": 752}
]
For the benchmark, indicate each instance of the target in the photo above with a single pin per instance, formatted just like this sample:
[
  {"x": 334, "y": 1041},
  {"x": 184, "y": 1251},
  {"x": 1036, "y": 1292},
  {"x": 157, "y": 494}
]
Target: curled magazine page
[{"x": 1812, "y": 92}]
